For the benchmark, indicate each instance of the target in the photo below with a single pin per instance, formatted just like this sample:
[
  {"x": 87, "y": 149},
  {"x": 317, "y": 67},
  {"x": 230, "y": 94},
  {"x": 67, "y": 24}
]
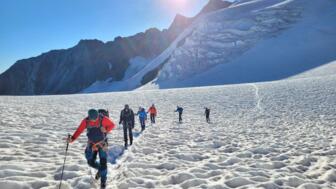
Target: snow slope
[
  {"x": 252, "y": 42},
  {"x": 324, "y": 70},
  {"x": 136, "y": 65},
  {"x": 277, "y": 134}
]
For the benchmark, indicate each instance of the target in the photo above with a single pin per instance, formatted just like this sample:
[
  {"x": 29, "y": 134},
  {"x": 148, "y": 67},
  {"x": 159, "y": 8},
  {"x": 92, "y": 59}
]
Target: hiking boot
[
  {"x": 97, "y": 177},
  {"x": 103, "y": 185}
]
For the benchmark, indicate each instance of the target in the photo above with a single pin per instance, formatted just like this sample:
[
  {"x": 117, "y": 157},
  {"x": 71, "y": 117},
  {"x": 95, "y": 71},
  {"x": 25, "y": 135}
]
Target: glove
[
  {"x": 103, "y": 130},
  {"x": 69, "y": 139}
]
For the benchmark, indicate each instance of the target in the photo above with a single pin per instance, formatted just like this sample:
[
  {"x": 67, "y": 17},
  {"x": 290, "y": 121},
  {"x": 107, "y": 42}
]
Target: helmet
[{"x": 93, "y": 114}]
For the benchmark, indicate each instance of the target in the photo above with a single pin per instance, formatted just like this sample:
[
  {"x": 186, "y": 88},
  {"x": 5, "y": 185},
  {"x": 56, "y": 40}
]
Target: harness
[
  {"x": 96, "y": 138},
  {"x": 95, "y": 146}
]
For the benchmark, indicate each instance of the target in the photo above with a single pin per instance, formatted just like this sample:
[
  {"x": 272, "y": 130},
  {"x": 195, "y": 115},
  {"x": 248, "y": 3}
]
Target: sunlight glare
[{"x": 176, "y": 5}]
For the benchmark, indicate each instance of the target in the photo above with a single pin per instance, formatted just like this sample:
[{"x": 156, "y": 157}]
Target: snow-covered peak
[
  {"x": 214, "y": 5},
  {"x": 180, "y": 21},
  {"x": 252, "y": 41}
]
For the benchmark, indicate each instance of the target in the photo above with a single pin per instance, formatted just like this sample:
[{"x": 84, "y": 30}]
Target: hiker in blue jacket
[
  {"x": 142, "y": 117},
  {"x": 180, "y": 111}
]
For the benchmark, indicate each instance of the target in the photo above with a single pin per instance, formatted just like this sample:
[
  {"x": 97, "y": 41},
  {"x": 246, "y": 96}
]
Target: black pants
[
  {"x": 128, "y": 127},
  {"x": 142, "y": 123},
  {"x": 180, "y": 117},
  {"x": 207, "y": 116},
  {"x": 152, "y": 117}
]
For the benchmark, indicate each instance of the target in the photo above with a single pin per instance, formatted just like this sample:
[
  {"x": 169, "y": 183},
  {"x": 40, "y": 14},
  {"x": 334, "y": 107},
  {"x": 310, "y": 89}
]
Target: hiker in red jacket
[
  {"x": 152, "y": 113},
  {"x": 97, "y": 126}
]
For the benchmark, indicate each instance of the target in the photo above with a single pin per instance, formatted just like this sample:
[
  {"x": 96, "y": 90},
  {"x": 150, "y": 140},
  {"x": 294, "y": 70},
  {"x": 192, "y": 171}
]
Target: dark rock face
[
  {"x": 153, "y": 73},
  {"x": 74, "y": 69},
  {"x": 71, "y": 70},
  {"x": 179, "y": 24}
]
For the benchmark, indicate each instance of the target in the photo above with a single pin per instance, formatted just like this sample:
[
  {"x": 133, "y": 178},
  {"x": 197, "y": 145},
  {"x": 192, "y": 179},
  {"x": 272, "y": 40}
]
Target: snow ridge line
[{"x": 257, "y": 96}]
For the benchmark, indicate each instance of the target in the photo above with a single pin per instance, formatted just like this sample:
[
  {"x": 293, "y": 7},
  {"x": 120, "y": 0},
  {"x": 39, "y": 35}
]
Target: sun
[{"x": 176, "y": 5}]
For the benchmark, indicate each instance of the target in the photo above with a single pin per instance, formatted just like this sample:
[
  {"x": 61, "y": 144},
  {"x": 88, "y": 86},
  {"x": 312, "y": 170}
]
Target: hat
[{"x": 93, "y": 114}]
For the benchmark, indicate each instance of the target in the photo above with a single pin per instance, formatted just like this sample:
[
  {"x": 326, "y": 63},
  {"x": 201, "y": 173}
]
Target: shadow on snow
[{"x": 116, "y": 151}]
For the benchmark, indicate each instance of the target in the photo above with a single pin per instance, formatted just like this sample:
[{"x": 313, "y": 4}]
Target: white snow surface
[{"x": 278, "y": 134}]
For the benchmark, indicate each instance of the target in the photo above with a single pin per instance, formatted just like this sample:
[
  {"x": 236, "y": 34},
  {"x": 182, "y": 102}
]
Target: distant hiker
[
  {"x": 152, "y": 112},
  {"x": 180, "y": 111},
  {"x": 127, "y": 120},
  {"x": 142, "y": 117},
  {"x": 97, "y": 126},
  {"x": 207, "y": 114}
]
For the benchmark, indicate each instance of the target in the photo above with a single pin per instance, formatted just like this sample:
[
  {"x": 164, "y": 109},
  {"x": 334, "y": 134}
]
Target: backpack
[
  {"x": 94, "y": 133},
  {"x": 127, "y": 117},
  {"x": 104, "y": 112},
  {"x": 127, "y": 114}
]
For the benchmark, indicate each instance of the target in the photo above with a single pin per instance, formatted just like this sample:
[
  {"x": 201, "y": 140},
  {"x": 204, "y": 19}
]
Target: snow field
[{"x": 263, "y": 135}]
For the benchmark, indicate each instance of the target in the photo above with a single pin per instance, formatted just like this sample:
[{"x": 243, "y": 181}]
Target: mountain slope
[
  {"x": 91, "y": 62},
  {"x": 251, "y": 41},
  {"x": 150, "y": 71},
  {"x": 70, "y": 70},
  {"x": 257, "y": 41}
]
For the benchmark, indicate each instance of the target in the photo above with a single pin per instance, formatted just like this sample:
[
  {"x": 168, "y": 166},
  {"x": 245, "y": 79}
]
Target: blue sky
[{"x": 31, "y": 27}]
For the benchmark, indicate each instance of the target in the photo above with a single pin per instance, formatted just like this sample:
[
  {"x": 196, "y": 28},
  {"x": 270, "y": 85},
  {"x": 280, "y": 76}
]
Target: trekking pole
[{"x": 66, "y": 152}]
